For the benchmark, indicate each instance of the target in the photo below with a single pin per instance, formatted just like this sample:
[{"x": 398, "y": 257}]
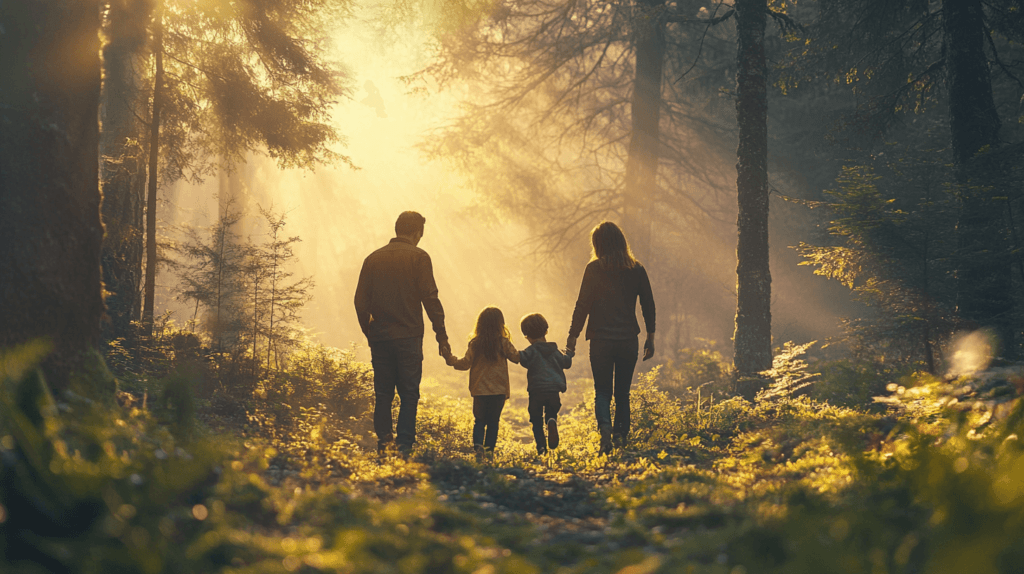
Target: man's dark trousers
[{"x": 397, "y": 366}]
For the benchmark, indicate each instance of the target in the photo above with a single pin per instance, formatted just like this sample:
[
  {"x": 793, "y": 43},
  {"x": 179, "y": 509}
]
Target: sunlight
[{"x": 972, "y": 353}]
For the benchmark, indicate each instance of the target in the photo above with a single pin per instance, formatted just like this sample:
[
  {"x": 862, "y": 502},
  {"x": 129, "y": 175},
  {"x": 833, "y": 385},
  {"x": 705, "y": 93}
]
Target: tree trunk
[
  {"x": 50, "y": 229},
  {"x": 124, "y": 175},
  {"x": 984, "y": 286},
  {"x": 645, "y": 111},
  {"x": 154, "y": 163},
  {"x": 752, "y": 343},
  {"x": 231, "y": 206}
]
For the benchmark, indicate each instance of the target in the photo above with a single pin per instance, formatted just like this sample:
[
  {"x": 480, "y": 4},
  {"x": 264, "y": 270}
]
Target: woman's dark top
[{"x": 609, "y": 297}]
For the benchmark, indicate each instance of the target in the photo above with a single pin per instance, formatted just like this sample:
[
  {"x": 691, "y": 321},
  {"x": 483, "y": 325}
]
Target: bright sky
[{"x": 342, "y": 214}]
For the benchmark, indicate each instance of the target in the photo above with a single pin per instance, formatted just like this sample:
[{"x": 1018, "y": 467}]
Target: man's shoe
[
  {"x": 606, "y": 438},
  {"x": 404, "y": 451},
  {"x": 385, "y": 446},
  {"x": 619, "y": 440},
  {"x": 479, "y": 450},
  {"x": 552, "y": 433}
]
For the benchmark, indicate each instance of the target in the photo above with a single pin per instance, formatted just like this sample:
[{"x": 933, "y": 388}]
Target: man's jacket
[{"x": 395, "y": 285}]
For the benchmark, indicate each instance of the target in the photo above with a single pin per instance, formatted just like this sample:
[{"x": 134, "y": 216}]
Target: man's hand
[
  {"x": 649, "y": 346},
  {"x": 570, "y": 344},
  {"x": 444, "y": 349}
]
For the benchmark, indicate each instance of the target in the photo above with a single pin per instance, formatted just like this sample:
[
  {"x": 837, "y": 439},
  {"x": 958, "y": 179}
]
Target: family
[{"x": 396, "y": 284}]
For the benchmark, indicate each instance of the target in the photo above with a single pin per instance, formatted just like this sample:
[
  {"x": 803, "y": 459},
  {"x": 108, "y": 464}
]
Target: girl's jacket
[{"x": 488, "y": 377}]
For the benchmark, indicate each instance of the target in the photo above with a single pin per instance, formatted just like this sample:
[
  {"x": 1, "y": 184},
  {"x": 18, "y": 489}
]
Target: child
[
  {"x": 545, "y": 378},
  {"x": 488, "y": 349}
]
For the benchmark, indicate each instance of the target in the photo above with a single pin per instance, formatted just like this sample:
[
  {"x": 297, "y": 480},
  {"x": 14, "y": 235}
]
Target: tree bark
[
  {"x": 984, "y": 282},
  {"x": 50, "y": 229},
  {"x": 154, "y": 164},
  {"x": 124, "y": 170},
  {"x": 645, "y": 111},
  {"x": 752, "y": 343}
]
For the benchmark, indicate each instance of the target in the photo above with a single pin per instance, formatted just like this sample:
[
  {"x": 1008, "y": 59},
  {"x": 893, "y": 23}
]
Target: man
[{"x": 396, "y": 280}]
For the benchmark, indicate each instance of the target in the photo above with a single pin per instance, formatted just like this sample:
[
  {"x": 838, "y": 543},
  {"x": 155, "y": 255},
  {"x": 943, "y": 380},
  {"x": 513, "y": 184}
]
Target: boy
[{"x": 545, "y": 379}]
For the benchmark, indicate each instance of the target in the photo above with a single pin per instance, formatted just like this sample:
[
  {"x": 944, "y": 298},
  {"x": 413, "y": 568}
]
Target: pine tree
[
  {"x": 210, "y": 273},
  {"x": 233, "y": 78},
  {"x": 283, "y": 298}
]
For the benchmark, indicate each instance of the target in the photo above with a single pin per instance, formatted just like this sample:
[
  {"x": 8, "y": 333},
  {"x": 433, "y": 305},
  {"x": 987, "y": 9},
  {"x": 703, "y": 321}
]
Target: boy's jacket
[{"x": 545, "y": 366}]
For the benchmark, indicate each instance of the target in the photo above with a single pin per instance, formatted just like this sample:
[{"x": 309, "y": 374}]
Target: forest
[{"x": 826, "y": 198}]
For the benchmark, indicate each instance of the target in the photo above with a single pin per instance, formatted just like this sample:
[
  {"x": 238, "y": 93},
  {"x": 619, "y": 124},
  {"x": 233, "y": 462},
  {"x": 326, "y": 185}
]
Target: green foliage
[
  {"x": 251, "y": 304},
  {"x": 91, "y": 488},
  {"x": 890, "y": 249},
  {"x": 851, "y": 383},
  {"x": 788, "y": 485},
  {"x": 790, "y": 373},
  {"x": 248, "y": 76},
  {"x": 178, "y": 399},
  {"x": 690, "y": 369},
  {"x": 94, "y": 380}
]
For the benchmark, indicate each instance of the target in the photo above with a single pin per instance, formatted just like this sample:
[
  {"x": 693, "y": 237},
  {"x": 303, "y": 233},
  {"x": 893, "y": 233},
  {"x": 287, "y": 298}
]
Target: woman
[{"x": 612, "y": 283}]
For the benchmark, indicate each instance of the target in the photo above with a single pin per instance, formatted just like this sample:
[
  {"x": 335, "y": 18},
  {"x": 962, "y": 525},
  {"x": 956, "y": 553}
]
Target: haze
[{"x": 481, "y": 256}]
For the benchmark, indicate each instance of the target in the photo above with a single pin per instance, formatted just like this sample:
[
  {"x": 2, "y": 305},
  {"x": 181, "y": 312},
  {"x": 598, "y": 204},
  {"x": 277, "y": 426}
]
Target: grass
[{"x": 727, "y": 486}]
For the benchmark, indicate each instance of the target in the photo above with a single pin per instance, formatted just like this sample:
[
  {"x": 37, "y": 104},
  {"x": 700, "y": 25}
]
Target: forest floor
[
  {"x": 678, "y": 499},
  {"x": 932, "y": 481}
]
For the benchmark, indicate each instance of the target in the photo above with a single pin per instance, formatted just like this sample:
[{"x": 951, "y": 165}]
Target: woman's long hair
[
  {"x": 610, "y": 247},
  {"x": 486, "y": 340}
]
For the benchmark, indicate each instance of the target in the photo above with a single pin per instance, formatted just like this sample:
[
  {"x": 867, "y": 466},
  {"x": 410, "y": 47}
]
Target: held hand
[
  {"x": 444, "y": 349},
  {"x": 570, "y": 344},
  {"x": 649, "y": 346}
]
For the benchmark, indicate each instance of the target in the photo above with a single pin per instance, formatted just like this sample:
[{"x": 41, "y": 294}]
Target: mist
[{"x": 482, "y": 254}]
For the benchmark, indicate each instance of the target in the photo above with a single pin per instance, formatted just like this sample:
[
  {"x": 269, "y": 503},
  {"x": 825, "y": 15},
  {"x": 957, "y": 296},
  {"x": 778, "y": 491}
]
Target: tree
[
  {"x": 648, "y": 31},
  {"x": 283, "y": 298},
  {"x": 210, "y": 274},
  {"x": 50, "y": 225},
  {"x": 886, "y": 221},
  {"x": 753, "y": 338},
  {"x": 572, "y": 121},
  {"x": 123, "y": 175},
  {"x": 984, "y": 281},
  {"x": 908, "y": 57},
  {"x": 247, "y": 76},
  {"x": 250, "y": 301}
]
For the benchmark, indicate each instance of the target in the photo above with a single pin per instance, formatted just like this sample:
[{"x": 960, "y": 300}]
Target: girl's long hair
[
  {"x": 610, "y": 247},
  {"x": 486, "y": 340}
]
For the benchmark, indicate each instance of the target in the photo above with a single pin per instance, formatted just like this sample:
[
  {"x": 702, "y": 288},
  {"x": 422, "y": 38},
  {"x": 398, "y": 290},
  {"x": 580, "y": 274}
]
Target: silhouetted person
[
  {"x": 612, "y": 283},
  {"x": 395, "y": 285},
  {"x": 487, "y": 356},
  {"x": 545, "y": 379}
]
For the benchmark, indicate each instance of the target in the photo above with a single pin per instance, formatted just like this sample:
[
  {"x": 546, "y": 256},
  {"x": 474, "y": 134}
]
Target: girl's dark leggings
[{"x": 486, "y": 413}]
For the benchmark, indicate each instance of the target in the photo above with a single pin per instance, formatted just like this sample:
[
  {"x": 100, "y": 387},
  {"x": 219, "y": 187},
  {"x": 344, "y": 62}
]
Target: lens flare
[{"x": 972, "y": 353}]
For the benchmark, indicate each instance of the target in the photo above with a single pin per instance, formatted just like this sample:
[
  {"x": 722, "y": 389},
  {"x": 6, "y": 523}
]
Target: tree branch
[{"x": 711, "y": 22}]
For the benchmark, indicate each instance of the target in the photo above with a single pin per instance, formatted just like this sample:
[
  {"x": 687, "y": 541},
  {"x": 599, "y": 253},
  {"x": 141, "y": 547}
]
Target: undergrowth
[{"x": 928, "y": 479}]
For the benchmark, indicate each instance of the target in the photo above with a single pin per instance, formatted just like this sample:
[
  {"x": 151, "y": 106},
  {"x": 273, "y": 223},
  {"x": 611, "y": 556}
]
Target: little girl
[{"x": 489, "y": 348}]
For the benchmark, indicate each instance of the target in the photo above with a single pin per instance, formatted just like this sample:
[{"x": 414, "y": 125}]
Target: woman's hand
[{"x": 649, "y": 346}]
